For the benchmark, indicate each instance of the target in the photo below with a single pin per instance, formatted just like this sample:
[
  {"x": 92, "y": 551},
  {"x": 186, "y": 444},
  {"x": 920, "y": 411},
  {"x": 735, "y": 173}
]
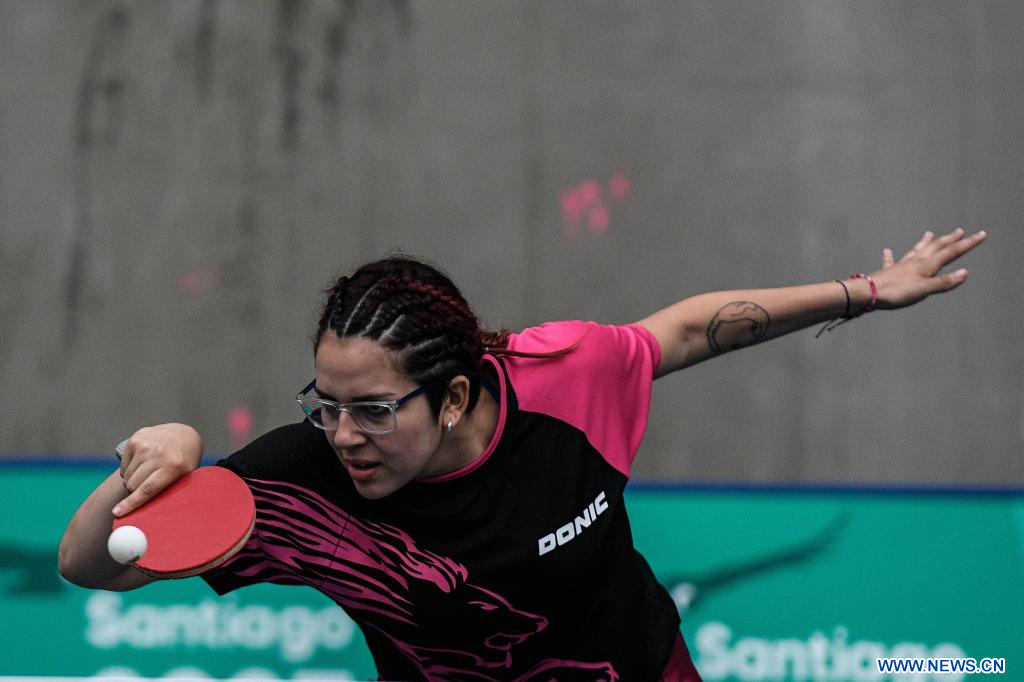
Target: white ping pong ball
[{"x": 127, "y": 544}]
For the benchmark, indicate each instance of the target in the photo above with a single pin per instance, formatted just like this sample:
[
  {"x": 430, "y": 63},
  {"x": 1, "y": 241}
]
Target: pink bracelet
[{"x": 874, "y": 292}]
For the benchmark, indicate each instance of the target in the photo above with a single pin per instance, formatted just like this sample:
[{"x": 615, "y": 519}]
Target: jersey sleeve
[
  {"x": 602, "y": 387},
  {"x": 298, "y": 453}
]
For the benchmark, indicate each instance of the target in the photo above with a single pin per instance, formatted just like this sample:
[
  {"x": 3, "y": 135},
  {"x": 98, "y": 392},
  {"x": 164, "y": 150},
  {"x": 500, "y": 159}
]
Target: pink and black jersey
[{"x": 520, "y": 566}]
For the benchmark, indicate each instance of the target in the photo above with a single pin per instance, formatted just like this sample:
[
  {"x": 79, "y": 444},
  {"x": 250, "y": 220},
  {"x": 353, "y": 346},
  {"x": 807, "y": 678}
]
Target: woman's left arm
[{"x": 704, "y": 326}]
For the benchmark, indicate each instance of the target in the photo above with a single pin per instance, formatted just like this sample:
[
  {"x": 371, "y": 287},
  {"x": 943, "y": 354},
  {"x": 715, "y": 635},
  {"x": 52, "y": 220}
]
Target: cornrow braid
[
  {"x": 496, "y": 343},
  {"x": 414, "y": 309}
]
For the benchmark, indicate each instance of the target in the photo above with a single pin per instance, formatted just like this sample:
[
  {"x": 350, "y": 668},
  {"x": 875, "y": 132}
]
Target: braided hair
[{"x": 415, "y": 310}]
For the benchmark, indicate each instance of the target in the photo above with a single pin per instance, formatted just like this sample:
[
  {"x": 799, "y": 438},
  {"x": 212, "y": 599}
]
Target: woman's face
[{"x": 354, "y": 369}]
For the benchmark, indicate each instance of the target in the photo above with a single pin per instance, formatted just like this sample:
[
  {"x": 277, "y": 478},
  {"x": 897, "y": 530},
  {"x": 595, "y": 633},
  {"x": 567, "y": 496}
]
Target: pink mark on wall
[
  {"x": 590, "y": 205},
  {"x": 619, "y": 187},
  {"x": 195, "y": 282},
  {"x": 240, "y": 425}
]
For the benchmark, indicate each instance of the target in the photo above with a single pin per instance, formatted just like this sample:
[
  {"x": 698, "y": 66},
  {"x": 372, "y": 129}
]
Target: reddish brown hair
[{"x": 414, "y": 309}]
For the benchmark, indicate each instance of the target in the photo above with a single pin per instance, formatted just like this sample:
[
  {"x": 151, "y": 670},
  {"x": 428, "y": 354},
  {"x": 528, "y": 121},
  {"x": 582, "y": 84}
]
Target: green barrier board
[
  {"x": 771, "y": 585},
  {"x": 818, "y": 585}
]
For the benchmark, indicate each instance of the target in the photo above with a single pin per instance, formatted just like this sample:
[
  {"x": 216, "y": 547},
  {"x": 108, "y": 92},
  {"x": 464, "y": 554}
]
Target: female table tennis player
[{"x": 459, "y": 492}]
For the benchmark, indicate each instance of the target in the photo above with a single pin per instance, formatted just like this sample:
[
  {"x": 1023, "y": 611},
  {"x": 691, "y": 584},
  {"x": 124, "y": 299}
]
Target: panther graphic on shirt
[{"x": 407, "y": 594}]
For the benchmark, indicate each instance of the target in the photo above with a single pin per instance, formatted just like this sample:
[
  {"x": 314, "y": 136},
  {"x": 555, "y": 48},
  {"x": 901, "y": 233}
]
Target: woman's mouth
[{"x": 362, "y": 472}]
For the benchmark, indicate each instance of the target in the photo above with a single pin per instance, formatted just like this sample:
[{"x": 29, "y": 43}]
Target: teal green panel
[
  {"x": 809, "y": 585},
  {"x": 793, "y": 585}
]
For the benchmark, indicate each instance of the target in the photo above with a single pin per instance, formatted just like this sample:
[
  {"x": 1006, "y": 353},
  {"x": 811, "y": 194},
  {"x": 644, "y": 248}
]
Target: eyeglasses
[{"x": 371, "y": 416}]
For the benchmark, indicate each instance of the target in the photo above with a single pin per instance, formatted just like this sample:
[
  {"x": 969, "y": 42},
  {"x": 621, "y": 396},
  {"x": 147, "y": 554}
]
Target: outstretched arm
[
  {"x": 153, "y": 459},
  {"x": 704, "y": 326}
]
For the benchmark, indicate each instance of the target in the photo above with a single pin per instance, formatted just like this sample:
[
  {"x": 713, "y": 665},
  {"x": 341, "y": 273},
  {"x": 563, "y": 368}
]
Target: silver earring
[{"x": 448, "y": 429}]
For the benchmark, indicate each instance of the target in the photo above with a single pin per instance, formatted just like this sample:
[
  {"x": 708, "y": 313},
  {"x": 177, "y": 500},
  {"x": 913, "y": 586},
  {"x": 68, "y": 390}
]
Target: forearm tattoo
[{"x": 736, "y": 325}]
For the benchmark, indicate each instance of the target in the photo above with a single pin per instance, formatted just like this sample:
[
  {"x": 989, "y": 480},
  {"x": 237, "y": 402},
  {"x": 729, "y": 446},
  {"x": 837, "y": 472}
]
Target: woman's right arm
[{"x": 154, "y": 458}]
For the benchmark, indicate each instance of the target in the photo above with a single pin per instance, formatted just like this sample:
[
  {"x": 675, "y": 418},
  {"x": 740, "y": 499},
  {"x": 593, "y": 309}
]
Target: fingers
[
  {"x": 144, "y": 486},
  {"x": 887, "y": 258},
  {"x": 953, "y": 246},
  {"x": 127, "y": 450},
  {"x": 928, "y": 244},
  {"x": 937, "y": 246},
  {"x": 926, "y": 239},
  {"x": 918, "y": 249},
  {"x": 948, "y": 239},
  {"x": 132, "y": 458},
  {"x": 139, "y": 474},
  {"x": 154, "y": 458},
  {"x": 950, "y": 281},
  {"x": 944, "y": 249},
  {"x": 960, "y": 245}
]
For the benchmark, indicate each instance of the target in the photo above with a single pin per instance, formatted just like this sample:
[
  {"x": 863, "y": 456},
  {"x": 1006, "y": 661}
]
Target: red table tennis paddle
[{"x": 199, "y": 522}]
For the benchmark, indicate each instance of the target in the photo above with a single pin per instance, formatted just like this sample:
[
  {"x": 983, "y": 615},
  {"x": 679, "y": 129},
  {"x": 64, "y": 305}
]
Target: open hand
[{"x": 918, "y": 274}]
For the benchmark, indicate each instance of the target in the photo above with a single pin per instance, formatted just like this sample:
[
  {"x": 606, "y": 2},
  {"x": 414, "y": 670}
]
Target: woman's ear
[{"x": 456, "y": 400}]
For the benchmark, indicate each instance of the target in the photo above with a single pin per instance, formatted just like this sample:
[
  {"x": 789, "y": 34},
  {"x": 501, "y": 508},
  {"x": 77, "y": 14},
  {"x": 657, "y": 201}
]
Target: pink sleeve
[{"x": 603, "y": 387}]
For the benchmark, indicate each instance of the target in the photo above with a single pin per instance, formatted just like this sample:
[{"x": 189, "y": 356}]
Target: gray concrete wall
[{"x": 180, "y": 179}]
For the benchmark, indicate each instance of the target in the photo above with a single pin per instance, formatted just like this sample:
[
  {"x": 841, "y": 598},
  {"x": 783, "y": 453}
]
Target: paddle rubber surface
[{"x": 196, "y": 524}]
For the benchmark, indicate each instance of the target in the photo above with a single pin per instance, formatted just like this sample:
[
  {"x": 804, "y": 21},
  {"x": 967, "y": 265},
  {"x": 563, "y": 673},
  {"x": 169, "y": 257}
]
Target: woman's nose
[{"x": 347, "y": 434}]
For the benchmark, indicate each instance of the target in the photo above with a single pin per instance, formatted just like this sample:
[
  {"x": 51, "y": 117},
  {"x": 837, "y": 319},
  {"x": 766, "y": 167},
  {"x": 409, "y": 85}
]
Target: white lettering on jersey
[{"x": 569, "y": 531}]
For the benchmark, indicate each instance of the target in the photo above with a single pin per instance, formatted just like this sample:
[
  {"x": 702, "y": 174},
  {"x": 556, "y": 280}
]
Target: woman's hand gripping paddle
[{"x": 196, "y": 524}]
